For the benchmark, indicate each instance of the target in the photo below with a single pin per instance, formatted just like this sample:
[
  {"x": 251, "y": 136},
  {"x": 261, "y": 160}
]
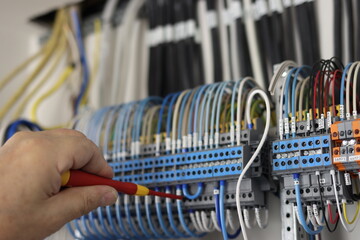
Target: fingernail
[{"x": 109, "y": 198}]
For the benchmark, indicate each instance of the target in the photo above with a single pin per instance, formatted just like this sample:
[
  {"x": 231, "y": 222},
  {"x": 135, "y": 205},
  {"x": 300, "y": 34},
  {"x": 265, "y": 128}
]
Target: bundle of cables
[{"x": 135, "y": 135}]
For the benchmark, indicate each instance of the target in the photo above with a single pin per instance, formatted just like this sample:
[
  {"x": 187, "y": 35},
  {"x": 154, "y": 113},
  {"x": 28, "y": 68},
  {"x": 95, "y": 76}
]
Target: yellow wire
[
  {"x": 59, "y": 54},
  {"x": 356, "y": 213},
  {"x": 20, "y": 68},
  {"x": 49, "y": 49},
  {"x": 97, "y": 28},
  {"x": 63, "y": 77}
]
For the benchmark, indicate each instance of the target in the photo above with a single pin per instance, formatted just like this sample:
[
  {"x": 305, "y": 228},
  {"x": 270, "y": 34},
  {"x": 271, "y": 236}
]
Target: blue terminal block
[
  {"x": 301, "y": 154},
  {"x": 176, "y": 168}
]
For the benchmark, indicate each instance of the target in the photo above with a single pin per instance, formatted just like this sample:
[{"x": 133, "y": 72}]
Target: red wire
[
  {"x": 333, "y": 90},
  {"x": 314, "y": 95},
  {"x": 332, "y": 221}
]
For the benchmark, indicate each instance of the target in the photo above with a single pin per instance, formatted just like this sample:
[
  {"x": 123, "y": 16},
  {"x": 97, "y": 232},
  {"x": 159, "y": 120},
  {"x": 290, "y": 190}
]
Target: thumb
[{"x": 74, "y": 202}]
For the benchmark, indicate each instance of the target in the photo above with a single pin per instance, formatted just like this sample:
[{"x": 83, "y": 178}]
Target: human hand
[{"x": 31, "y": 163}]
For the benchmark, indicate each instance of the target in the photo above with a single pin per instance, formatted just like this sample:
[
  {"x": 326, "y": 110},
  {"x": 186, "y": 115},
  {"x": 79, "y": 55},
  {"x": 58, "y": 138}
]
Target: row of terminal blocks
[
  {"x": 222, "y": 163},
  {"x": 301, "y": 154},
  {"x": 346, "y": 144},
  {"x": 310, "y": 191}
]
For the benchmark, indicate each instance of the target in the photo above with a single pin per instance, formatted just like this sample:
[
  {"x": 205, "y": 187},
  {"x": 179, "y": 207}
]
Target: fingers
[
  {"x": 74, "y": 202},
  {"x": 70, "y": 149}
]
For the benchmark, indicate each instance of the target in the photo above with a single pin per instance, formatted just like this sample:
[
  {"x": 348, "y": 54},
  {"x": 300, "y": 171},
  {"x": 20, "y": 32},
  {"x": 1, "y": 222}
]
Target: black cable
[
  {"x": 357, "y": 29},
  {"x": 289, "y": 40},
  {"x": 244, "y": 55},
  {"x": 324, "y": 209},
  {"x": 313, "y": 27},
  {"x": 337, "y": 29},
  {"x": 154, "y": 76},
  {"x": 350, "y": 29},
  {"x": 216, "y": 46},
  {"x": 302, "y": 26},
  {"x": 277, "y": 28}
]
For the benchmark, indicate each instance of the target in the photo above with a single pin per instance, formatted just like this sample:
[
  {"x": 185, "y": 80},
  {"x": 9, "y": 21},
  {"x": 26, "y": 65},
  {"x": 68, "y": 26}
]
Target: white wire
[
  {"x": 258, "y": 149},
  {"x": 319, "y": 216},
  {"x": 123, "y": 51},
  {"x": 230, "y": 220},
  {"x": 234, "y": 52},
  {"x": 310, "y": 215},
  {"x": 248, "y": 224},
  {"x": 224, "y": 41},
  {"x": 106, "y": 45},
  {"x": 347, "y": 97},
  {"x": 332, "y": 173},
  {"x": 253, "y": 43},
  {"x": 238, "y": 111},
  {"x": 193, "y": 220},
  {"x": 262, "y": 223},
  {"x": 207, "y": 223},
  {"x": 206, "y": 42},
  {"x": 214, "y": 220},
  {"x": 199, "y": 222},
  {"x": 355, "y": 87}
]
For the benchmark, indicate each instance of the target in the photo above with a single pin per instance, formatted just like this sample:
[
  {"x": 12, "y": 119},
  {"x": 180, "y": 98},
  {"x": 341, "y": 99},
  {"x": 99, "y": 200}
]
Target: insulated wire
[
  {"x": 332, "y": 173},
  {"x": 224, "y": 41},
  {"x": 255, "y": 154},
  {"x": 253, "y": 43},
  {"x": 62, "y": 79},
  {"x": 347, "y": 97},
  {"x": 206, "y": 41},
  {"x": 355, "y": 84},
  {"x": 56, "y": 62},
  {"x": 49, "y": 49},
  {"x": 95, "y": 68}
]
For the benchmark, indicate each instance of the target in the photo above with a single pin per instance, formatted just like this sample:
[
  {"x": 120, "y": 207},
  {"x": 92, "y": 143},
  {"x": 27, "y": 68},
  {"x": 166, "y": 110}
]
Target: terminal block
[
  {"x": 304, "y": 154},
  {"x": 222, "y": 163},
  {"x": 345, "y": 136}
]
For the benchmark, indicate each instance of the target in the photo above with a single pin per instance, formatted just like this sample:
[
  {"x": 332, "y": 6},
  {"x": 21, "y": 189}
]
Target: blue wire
[
  {"x": 182, "y": 110},
  {"x": 128, "y": 217},
  {"x": 206, "y": 101},
  {"x": 219, "y": 102},
  {"x": 161, "y": 112},
  {"x": 208, "y": 108},
  {"x": 94, "y": 227},
  {"x": 342, "y": 87},
  {"x": 71, "y": 230},
  {"x": 112, "y": 224},
  {"x": 182, "y": 220},
  {"x": 221, "y": 208},
  {"x": 296, "y": 177},
  {"x": 161, "y": 221},
  {"x": 86, "y": 227},
  {"x": 194, "y": 196},
  {"x": 126, "y": 126},
  {"x": 286, "y": 92},
  {"x": 102, "y": 223},
  {"x": 169, "y": 115},
  {"x": 171, "y": 219},
  {"x": 140, "y": 222},
  {"x": 13, "y": 127},
  {"x": 213, "y": 111},
  {"x": 120, "y": 221},
  {"x": 150, "y": 223},
  {"x": 191, "y": 110},
  {"x": 83, "y": 60},
  {"x": 202, "y": 89}
]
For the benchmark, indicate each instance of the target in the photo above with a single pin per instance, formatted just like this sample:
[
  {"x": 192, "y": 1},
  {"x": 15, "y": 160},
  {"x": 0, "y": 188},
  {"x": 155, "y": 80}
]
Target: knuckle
[{"x": 70, "y": 132}]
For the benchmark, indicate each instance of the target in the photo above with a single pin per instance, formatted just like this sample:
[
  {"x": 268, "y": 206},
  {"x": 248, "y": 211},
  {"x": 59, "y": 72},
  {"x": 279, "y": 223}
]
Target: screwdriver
[{"x": 77, "y": 178}]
